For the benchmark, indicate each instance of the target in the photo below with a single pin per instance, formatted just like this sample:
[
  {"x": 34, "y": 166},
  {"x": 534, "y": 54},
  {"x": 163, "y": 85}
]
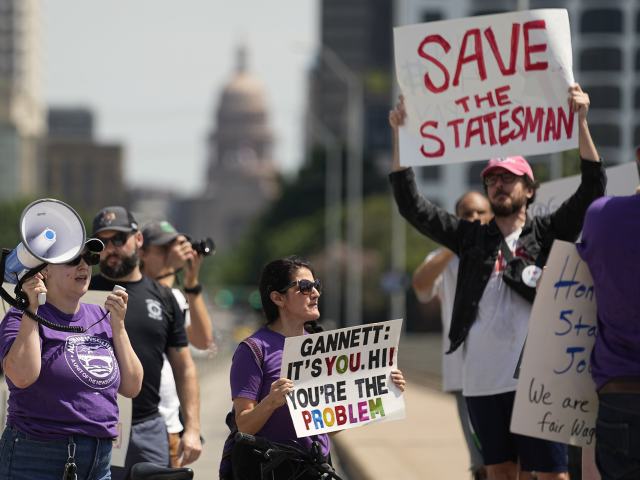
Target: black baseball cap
[
  {"x": 114, "y": 218},
  {"x": 159, "y": 233}
]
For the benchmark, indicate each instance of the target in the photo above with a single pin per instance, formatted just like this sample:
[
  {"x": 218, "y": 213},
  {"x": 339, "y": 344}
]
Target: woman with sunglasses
[
  {"x": 289, "y": 292},
  {"x": 62, "y": 413}
]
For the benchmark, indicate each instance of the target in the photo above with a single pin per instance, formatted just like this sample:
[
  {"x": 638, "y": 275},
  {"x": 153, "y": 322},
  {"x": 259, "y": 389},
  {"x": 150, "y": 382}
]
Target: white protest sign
[
  {"x": 342, "y": 378},
  {"x": 96, "y": 297},
  {"x": 121, "y": 442},
  {"x": 556, "y": 397},
  {"x": 622, "y": 180},
  {"x": 487, "y": 86}
]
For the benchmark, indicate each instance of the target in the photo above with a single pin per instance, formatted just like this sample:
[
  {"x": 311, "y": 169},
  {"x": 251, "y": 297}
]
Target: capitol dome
[{"x": 244, "y": 93}]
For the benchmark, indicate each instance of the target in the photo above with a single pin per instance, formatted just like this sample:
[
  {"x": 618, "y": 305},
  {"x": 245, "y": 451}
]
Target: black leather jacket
[{"x": 477, "y": 245}]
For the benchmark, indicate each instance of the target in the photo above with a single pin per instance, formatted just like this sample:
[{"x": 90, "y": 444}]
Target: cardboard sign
[
  {"x": 556, "y": 397},
  {"x": 96, "y": 297},
  {"x": 622, "y": 180},
  {"x": 121, "y": 442},
  {"x": 487, "y": 86},
  {"x": 342, "y": 378}
]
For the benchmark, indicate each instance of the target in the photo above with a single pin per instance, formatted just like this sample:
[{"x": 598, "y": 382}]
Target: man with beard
[
  {"x": 155, "y": 325},
  {"x": 500, "y": 263}
]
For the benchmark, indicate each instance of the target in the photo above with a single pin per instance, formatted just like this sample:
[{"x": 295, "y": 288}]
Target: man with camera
[
  {"x": 155, "y": 324},
  {"x": 164, "y": 254}
]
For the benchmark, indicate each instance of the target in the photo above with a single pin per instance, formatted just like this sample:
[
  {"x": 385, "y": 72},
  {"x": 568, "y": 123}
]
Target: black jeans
[{"x": 618, "y": 436}]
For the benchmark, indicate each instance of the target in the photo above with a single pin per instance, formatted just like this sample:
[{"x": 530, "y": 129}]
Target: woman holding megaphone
[{"x": 63, "y": 386}]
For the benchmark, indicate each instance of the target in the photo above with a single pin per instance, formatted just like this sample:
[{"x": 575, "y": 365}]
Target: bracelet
[{"x": 193, "y": 290}]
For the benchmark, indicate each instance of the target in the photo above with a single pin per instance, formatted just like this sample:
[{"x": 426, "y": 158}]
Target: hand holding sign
[{"x": 278, "y": 393}]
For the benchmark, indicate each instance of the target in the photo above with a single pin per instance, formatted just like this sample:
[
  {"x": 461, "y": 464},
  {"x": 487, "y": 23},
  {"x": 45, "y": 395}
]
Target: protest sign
[
  {"x": 622, "y": 180},
  {"x": 121, "y": 442},
  {"x": 486, "y": 86},
  {"x": 342, "y": 378},
  {"x": 556, "y": 397},
  {"x": 96, "y": 297}
]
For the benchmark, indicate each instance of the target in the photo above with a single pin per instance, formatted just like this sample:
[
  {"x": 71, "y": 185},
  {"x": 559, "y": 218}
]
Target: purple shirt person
[
  {"x": 289, "y": 292},
  {"x": 611, "y": 250},
  {"x": 63, "y": 385}
]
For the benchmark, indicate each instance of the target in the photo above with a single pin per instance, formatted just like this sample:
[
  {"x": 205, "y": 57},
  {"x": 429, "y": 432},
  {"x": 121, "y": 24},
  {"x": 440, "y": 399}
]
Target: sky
[{"x": 152, "y": 72}]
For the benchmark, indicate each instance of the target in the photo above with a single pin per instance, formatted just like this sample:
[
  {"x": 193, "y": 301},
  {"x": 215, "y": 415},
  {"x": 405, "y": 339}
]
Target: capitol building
[{"x": 241, "y": 176}]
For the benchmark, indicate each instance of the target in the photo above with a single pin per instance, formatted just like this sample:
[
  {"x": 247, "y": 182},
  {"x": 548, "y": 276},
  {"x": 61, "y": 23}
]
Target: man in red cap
[{"x": 500, "y": 263}]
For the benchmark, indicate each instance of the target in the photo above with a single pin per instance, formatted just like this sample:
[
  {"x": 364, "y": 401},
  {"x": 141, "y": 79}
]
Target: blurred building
[
  {"x": 21, "y": 110},
  {"x": 78, "y": 169},
  {"x": 241, "y": 174},
  {"x": 359, "y": 34},
  {"x": 606, "y": 61}
]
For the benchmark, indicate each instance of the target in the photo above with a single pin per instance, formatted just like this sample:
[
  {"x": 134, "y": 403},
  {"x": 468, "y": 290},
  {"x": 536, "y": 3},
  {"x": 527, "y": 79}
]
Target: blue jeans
[
  {"x": 618, "y": 436},
  {"x": 25, "y": 458}
]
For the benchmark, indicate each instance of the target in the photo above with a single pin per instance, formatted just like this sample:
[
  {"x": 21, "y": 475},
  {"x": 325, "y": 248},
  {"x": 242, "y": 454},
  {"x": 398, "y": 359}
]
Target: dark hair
[
  {"x": 532, "y": 184},
  {"x": 275, "y": 276}
]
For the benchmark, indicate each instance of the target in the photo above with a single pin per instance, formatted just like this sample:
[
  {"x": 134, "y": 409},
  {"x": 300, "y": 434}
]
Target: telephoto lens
[{"x": 204, "y": 247}]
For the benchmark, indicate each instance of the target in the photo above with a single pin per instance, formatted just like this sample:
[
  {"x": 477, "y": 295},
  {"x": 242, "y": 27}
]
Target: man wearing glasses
[
  {"x": 155, "y": 324},
  {"x": 500, "y": 264}
]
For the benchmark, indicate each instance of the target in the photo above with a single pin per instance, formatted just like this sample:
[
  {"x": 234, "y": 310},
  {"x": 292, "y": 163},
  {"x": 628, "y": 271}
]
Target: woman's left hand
[
  {"x": 116, "y": 305},
  {"x": 398, "y": 379}
]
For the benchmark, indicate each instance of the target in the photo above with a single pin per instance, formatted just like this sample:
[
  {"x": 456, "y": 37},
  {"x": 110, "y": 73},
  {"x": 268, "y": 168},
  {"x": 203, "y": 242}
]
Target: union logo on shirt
[{"x": 92, "y": 360}]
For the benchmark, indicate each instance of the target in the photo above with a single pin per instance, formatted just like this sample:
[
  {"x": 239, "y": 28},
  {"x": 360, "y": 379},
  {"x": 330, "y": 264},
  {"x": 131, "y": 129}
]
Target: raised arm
[
  {"x": 429, "y": 219},
  {"x": 568, "y": 219},
  {"x": 131, "y": 372},
  {"x": 579, "y": 102},
  {"x": 426, "y": 275},
  {"x": 200, "y": 329},
  {"x": 22, "y": 362},
  {"x": 397, "y": 117}
]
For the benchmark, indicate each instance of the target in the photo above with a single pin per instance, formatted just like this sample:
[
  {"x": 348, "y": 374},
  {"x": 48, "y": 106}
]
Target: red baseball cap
[{"x": 516, "y": 165}]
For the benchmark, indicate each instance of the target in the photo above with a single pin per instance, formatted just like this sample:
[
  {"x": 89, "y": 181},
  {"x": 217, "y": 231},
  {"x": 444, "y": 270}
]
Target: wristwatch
[{"x": 193, "y": 290}]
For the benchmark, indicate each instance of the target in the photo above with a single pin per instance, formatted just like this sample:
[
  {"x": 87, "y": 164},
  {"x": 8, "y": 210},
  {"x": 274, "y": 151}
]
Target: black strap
[{"x": 506, "y": 251}]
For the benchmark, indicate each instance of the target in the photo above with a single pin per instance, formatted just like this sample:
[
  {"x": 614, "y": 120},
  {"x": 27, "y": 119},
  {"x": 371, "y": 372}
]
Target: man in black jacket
[{"x": 500, "y": 263}]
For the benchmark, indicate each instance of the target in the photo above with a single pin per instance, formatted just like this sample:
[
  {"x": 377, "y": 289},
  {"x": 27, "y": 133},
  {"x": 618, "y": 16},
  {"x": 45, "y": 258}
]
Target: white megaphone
[{"x": 50, "y": 232}]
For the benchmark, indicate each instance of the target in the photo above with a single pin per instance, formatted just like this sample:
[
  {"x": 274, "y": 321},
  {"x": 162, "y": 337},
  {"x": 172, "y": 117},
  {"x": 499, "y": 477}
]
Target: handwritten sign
[
  {"x": 487, "y": 86},
  {"x": 556, "y": 397},
  {"x": 342, "y": 378}
]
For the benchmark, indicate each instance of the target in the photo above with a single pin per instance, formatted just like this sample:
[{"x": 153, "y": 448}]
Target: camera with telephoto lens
[{"x": 204, "y": 247}]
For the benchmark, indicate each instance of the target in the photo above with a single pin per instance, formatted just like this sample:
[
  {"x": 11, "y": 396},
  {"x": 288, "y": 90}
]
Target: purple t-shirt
[
  {"x": 611, "y": 248},
  {"x": 248, "y": 381},
  {"x": 79, "y": 377}
]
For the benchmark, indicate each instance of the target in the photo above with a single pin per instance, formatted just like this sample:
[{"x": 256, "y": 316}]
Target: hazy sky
[{"x": 152, "y": 72}]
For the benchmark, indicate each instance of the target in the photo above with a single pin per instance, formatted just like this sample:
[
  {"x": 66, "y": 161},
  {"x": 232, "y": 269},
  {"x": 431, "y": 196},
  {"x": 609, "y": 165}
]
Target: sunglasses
[
  {"x": 116, "y": 240},
  {"x": 304, "y": 286},
  {"x": 90, "y": 258},
  {"x": 507, "y": 179}
]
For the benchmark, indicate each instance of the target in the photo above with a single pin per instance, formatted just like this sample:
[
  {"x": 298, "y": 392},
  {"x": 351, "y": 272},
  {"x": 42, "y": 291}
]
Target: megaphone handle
[{"x": 42, "y": 298}]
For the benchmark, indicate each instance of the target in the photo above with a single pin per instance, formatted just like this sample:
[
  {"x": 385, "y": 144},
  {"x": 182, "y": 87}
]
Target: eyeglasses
[
  {"x": 304, "y": 286},
  {"x": 507, "y": 179},
  {"x": 90, "y": 258},
  {"x": 117, "y": 240}
]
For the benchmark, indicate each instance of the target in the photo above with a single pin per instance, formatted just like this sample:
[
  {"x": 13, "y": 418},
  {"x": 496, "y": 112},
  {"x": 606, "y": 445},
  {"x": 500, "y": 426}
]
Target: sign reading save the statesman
[{"x": 487, "y": 86}]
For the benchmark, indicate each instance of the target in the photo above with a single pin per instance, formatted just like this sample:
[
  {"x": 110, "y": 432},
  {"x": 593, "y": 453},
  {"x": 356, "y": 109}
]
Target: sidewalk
[{"x": 427, "y": 444}]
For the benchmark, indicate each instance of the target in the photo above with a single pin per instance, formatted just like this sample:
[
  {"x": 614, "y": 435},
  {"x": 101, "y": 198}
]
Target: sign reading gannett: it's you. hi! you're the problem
[
  {"x": 342, "y": 378},
  {"x": 486, "y": 86}
]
